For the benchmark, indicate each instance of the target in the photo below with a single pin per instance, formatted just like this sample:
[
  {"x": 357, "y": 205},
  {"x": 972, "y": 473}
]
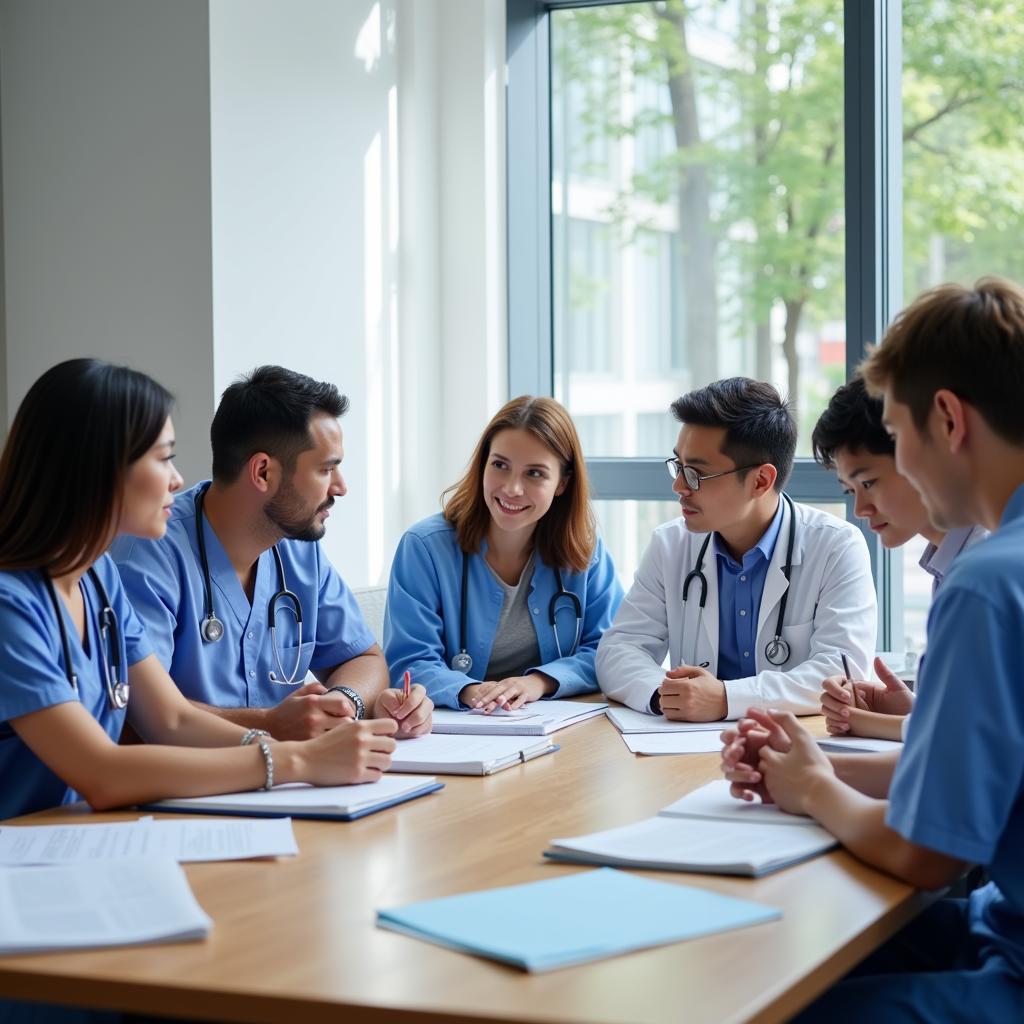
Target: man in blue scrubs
[
  {"x": 951, "y": 374},
  {"x": 221, "y": 593}
]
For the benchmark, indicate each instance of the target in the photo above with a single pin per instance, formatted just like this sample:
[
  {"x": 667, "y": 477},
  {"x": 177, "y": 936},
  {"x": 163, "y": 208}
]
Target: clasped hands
[
  {"x": 691, "y": 693},
  {"x": 771, "y": 756}
]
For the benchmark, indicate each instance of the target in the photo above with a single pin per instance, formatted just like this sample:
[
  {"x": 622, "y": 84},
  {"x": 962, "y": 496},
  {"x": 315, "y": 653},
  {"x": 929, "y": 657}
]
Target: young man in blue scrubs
[
  {"x": 753, "y": 597},
  {"x": 951, "y": 374},
  {"x": 221, "y": 593},
  {"x": 850, "y": 438}
]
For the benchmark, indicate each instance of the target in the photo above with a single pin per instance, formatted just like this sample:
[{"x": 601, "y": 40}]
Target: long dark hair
[{"x": 62, "y": 473}]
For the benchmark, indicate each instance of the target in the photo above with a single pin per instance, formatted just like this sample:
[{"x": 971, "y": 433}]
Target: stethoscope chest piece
[
  {"x": 462, "y": 662},
  {"x": 777, "y": 652},
  {"x": 212, "y": 629}
]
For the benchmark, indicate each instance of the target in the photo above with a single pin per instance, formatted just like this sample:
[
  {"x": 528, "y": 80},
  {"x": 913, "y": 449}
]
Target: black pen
[{"x": 846, "y": 667}]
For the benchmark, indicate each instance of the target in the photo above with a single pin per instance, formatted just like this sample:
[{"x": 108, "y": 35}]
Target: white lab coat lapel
[
  {"x": 775, "y": 583},
  {"x": 704, "y": 642}
]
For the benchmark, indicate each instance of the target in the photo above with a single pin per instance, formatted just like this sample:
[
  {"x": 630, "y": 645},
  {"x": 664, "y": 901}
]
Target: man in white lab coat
[{"x": 754, "y": 598}]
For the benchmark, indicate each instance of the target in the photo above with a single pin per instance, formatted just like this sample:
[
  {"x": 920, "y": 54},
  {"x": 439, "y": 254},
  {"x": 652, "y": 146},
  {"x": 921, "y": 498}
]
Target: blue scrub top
[
  {"x": 33, "y": 675},
  {"x": 959, "y": 784},
  {"x": 165, "y": 584},
  {"x": 421, "y": 624}
]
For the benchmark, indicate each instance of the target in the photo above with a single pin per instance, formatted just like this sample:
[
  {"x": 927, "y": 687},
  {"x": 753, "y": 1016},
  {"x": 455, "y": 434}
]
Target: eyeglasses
[{"x": 692, "y": 477}]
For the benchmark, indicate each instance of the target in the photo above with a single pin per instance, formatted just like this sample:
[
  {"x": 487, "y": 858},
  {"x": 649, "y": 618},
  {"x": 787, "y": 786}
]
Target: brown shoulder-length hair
[
  {"x": 62, "y": 473},
  {"x": 565, "y": 537}
]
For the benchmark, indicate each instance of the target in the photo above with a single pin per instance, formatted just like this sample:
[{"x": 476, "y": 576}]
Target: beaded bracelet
[
  {"x": 252, "y": 734},
  {"x": 268, "y": 758}
]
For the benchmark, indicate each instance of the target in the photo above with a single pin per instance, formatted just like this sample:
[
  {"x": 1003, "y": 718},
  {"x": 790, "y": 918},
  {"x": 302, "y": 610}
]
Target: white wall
[
  {"x": 106, "y": 220},
  {"x": 199, "y": 187}
]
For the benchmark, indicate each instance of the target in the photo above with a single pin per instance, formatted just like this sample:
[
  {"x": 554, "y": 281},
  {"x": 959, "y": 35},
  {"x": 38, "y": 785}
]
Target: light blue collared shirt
[
  {"x": 165, "y": 584},
  {"x": 33, "y": 675},
  {"x": 959, "y": 784},
  {"x": 422, "y": 624},
  {"x": 740, "y": 586}
]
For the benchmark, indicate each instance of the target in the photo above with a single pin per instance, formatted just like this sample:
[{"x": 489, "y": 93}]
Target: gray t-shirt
[{"x": 515, "y": 646}]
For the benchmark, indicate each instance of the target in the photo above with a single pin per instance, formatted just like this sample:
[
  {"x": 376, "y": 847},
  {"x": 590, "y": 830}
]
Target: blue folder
[{"x": 572, "y": 919}]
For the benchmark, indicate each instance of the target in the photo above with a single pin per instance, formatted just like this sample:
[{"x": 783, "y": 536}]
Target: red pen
[{"x": 406, "y": 681}]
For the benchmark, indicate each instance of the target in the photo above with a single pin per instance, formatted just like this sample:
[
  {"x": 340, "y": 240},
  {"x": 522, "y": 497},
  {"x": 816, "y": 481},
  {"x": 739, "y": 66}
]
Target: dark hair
[
  {"x": 966, "y": 340},
  {"x": 566, "y": 535},
  {"x": 62, "y": 473},
  {"x": 268, "y": 410},
  {"x": 851, "y": 420},
  {"x": 759, "y": 426}
]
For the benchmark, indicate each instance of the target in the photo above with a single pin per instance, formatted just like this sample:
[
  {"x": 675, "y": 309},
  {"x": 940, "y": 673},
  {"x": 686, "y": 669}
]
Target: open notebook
[
  {"x": 297, "y": 800},
  {"x": 540, "y": 718},
  {"x": 706, "y": 831},
  {"x": 467, "y": 755}
]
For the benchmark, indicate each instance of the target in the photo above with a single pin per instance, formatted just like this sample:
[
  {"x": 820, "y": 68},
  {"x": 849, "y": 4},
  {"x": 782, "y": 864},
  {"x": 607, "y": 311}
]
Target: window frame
[{"x": 873, "y": 185}]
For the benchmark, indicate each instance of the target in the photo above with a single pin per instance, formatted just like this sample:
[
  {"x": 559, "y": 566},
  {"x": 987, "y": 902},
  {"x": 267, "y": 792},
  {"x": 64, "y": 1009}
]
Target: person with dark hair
[
  {"x": 501, "y": 599},
  {"x": 754, "y": 597},
  {"x": 950, "y": 372},
  {"x": 851, "y": 439},
  {"x": 75, "y": 660},
  {"x": 238, "y": 598}
]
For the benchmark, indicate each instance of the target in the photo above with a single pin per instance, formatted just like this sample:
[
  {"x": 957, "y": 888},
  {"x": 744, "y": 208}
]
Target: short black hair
[
  {"x": 851, "y": 420},
  {"x": 268, "y": 410},
  {"x": 759, "y": 426}
]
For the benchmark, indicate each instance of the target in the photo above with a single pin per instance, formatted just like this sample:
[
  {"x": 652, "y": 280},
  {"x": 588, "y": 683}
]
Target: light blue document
[{"x": 572, "y": 919}]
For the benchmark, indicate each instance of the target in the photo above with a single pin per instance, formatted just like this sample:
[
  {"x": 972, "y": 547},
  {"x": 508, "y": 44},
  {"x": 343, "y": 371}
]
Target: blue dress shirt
[
  {"x": 165, "y": 585},
  {"x": 959, "y": 784},
  {"x": 33, "y": 675},
  {"x": 740, "y": 586},
  {"x": 421, "y": 626}
]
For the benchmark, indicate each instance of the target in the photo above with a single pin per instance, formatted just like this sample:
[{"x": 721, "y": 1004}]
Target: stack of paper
[
  {"x": 706, "y": 831},
  {"x": 626, "y": 720},
  {"x": 858, "y": 745},
  {"x": 541, "y": 718},
  {"x": 467, "y": 755},
  {"x": 97, "y": 904},
  {"x": 572, "y": 919},
  {"x": 147, "y": 838},
  {"x": 297, "y": 800},
  {"x": 673, "y": 742}
]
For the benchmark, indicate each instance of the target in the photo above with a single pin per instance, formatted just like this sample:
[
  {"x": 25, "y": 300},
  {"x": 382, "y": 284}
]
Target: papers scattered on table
[
  {"x": 297, "y": 800},
  {"x": 467, "y": 755},
  {"x": 673, "y": 742},
  {"x": 627, "y": 720},
  {"x": 541, "y": 718},
  {"x": 97, "y": 904},
  {"x": 705, "y": 831},
  {"x": 858, "y": 744},
  {"x": 147, "y": 838},
  {"x": 572, "y": 919}
]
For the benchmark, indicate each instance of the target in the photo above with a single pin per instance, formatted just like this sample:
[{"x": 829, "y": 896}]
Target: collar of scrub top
[
  {"x": 463, "y": 661},
  {"x": 212, "y": 629},
  {"x": 776, "y": 651},
  {"x": 110, "y": 641}
]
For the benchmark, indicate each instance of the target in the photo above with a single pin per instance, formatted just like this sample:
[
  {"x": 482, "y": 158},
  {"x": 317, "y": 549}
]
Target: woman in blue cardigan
[{"x": 502, "y": 598}]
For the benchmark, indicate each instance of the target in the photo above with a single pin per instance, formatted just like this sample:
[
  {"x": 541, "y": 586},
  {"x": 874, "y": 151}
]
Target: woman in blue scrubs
[
  {"x": 89, "y": 456},
  {"x": 501, "y": 599}
]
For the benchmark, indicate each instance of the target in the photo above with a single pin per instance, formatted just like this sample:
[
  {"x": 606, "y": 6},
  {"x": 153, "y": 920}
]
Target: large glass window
[{"x": 697, "y": 146}]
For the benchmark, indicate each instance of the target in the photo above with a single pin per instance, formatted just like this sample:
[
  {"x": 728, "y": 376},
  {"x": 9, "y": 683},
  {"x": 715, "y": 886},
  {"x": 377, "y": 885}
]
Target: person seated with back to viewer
[
  {"x": 951, "y": 373},
  {"x": 851, "y": 439},
  {"x": 754, "y": 597},
  {"x": 222, "y": 592}
]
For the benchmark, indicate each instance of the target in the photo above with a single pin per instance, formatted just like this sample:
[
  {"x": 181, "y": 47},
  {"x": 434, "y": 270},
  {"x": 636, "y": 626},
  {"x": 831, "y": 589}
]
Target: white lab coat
[{"x": 831, "y": 610}]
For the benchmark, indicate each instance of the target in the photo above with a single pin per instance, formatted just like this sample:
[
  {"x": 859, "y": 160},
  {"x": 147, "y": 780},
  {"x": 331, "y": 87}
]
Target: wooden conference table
[{"x": 296, "y": 940}]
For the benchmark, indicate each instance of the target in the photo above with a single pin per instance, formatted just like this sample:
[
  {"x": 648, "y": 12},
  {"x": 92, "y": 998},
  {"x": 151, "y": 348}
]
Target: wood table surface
[{"x": 296, "y": 939}]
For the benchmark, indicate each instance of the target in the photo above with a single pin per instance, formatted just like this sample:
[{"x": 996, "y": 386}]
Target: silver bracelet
[
  {"x": 268, "y": 758},
  {"x": 251, "y": 734}
]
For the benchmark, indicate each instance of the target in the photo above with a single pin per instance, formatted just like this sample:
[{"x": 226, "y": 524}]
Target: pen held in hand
[
  {"x": 406, "y": 685},
  {"x": 846, "y": 667}
]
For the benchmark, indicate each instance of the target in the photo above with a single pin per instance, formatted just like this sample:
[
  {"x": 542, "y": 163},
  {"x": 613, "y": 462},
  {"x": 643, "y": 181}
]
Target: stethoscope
[
  {"x": 212, "y": 629},
  {"x": 776, "y": 651},
  {"x": 110, "y": 640},
  {"x": 463, "y": 661}
]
